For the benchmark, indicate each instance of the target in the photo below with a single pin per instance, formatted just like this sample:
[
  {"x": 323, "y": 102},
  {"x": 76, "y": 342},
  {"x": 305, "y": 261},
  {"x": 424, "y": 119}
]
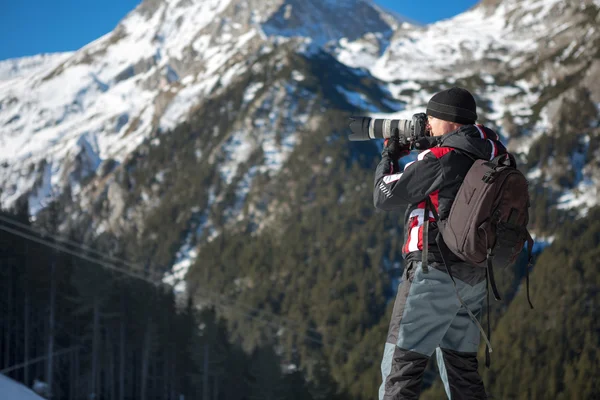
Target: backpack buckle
[{"x": 489, "y": 176}]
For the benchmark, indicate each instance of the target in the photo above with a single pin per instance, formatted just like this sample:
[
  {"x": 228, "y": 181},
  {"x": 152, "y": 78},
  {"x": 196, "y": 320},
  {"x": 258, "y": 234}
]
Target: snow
[
  {"x": 540, "y": 243},
  {"x": 516, "y": 99},
  {"x": 542, "y": 126},
  {"x": 241, "y": 192},
  {"x": 186, "y": 257},
  {"x": 276, "y": 155},
  {"x": 183, "y": 21},
  {"x": 297, "y": 76},
  {"x": 26, "y": 66},
  {"x": 534, "y": 173},
  {"x": 426, "y": 53},
  {"x": 582, "y": 198},
  {"x": 231, "y": 73},
  {"x": 358, "y": 54},
  {"x": 180, "y": 104},
  {"x": 42, "y": 196},
  {"x": 578, "y": 160},
  {"x": 237, "y": 150},
  {"x": 357, "y": 99},
  {"x": 252, "y": 90},
  {"x": 12, "y": 390}
]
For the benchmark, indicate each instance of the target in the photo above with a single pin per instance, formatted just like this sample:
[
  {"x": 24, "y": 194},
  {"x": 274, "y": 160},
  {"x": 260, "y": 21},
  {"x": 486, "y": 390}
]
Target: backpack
[{"x": 487, "y": 223}]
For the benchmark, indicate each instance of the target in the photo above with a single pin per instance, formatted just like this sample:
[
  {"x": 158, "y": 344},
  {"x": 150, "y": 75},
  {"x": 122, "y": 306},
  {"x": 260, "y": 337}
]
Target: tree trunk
[
  {"x": 133, "y": 381},
  {"x": 95, "y": 343},
  {"x": 50, "y": 360},
  {"x": 72, "y": 375},
  {"x": 111, "y": 367},
  {"x": 8, "y": 317},
  {"x": 216, "y": 388},
  {"x": 76, "y": 381},
  {"x": 26, "y": 333},
  {"x": 205, "y": 380},
  {"x": 122, "y": 352},
  {"x": 175, "y": 382},
  {"x": 165, "y": 374},
  {"x": 145, "y": 359}
]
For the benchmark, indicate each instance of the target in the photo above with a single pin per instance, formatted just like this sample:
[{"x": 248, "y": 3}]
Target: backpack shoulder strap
[
  {"x": 432, "y": 208},
  {"x": 529, "y": 265},
  {"x": 425, "y": 252},
  {"x": 445, "y": 251}
]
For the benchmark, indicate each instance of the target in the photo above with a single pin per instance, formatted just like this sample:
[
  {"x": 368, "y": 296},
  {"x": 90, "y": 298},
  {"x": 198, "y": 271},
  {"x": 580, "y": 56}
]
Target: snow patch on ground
[
  {"x": 178, "y": 108},
  {"x": 251, "y": 91},
  {"x": 186, "y": 257},
  {"x": 43, "y": 195},
  {"x": 237, "y": 150},
  {"x": 12, "y": 390},
  {"x": 582, "y": 198}
]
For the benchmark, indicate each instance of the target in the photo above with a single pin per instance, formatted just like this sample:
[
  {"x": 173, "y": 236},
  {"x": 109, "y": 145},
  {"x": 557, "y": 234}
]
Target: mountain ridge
[{"x": 218, "y": 157}]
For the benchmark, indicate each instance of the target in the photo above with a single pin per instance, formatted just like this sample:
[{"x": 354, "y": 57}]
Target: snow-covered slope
[
  {"x": 11, "y": 390},
  {"x": 14, "y": 68},
  {"x": 163, "y": 60},
  {"x": 485, "y": 41},
  {"x": 523, "y": 60}
]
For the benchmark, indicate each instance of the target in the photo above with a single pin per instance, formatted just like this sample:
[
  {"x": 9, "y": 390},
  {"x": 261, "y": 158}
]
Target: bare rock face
[{"x": 323, "y": 21}]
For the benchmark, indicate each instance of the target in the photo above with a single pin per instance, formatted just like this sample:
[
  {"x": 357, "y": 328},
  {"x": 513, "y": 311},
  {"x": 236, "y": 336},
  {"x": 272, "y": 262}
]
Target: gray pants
[{"x": 428, "y": 317}]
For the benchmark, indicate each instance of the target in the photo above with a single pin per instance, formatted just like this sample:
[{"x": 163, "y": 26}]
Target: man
[{"x": 427, "y": 315}]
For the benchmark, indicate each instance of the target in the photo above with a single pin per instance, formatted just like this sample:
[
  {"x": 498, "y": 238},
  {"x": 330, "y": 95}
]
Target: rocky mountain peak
[{"x": 321, "y": 21}]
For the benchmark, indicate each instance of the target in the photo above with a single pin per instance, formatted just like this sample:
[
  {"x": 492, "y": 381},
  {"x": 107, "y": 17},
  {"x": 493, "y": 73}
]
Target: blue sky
[{"x": 29, "y": 27}]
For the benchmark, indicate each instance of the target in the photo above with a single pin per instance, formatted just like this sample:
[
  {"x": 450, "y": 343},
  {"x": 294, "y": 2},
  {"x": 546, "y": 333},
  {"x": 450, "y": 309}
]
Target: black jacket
[{"x": 437, "y": 173}]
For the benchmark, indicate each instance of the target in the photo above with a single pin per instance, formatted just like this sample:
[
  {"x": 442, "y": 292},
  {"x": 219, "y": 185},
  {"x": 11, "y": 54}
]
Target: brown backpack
[{"x": 487, "y": 223}]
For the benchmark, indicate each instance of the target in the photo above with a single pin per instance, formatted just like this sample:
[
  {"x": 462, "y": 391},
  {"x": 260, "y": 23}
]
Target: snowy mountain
[
  {"x": 254, "y": 77},
  {"x": 205, "y": 140},
  {"x": 164, "y": 59},
  {"x": 526, "y": 61}
]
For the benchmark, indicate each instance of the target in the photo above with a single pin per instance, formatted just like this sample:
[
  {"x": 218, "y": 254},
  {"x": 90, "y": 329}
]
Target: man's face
[{"x": 439, "y": 127}]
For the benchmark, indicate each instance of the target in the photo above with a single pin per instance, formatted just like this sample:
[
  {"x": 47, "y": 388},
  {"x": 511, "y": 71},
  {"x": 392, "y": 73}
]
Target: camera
[{"x": 411, "y": 133}]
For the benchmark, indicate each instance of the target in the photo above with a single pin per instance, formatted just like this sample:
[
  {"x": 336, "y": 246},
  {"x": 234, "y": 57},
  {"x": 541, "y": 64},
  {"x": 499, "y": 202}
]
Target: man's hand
[{"x": 394, "y": 148}]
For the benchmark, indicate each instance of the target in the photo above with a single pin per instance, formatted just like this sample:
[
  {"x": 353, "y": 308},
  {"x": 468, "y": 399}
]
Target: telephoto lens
[{"x": 366, "y": 128}]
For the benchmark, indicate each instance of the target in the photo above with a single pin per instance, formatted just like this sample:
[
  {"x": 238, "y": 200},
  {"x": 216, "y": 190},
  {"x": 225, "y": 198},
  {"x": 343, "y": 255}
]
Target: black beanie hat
[{"x": 454, "y": 105}]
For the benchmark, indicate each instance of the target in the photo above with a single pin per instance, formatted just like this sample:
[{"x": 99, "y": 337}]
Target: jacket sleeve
[{"x": 419, "y": 179}]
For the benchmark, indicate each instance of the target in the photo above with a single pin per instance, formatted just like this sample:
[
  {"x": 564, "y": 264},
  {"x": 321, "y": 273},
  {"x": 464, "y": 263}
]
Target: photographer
[{"x": 428, "y": 316}]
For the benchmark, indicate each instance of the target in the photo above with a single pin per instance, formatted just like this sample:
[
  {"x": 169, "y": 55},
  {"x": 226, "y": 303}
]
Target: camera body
[{"x": 411, "y": 133}]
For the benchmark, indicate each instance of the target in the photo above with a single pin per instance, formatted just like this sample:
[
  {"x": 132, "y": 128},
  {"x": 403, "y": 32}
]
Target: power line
[
  {"x": 134, "y": 275},
  {"x": 58, "y": 238},
  {"x": 133, "y": 266},
  {"x": 73, "y": 253},
  {"x": 38, "y": 359}
]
